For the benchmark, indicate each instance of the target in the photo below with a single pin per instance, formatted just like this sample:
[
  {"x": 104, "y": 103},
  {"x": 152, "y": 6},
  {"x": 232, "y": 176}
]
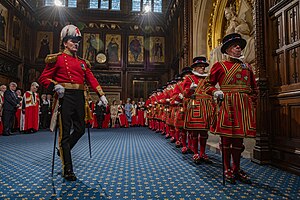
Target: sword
[{"x": 54, "y": 125}]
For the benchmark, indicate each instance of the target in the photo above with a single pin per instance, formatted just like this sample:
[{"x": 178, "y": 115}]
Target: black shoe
[
  {"x": 5, "y": 134},
  {"x": 57, "y": 152},
  {"x": 242, "y": 177},
  {"x": 70, "y": 176}
]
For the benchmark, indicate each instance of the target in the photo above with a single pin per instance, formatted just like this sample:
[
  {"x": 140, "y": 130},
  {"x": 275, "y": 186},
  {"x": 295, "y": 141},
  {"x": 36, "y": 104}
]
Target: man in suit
[{"x": 11, "y": 103}]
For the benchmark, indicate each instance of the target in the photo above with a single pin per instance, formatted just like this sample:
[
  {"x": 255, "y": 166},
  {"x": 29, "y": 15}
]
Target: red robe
[
  {"x": 141, "y": 113},
  {"x": 236, "y": 117},
  {"x": 30, "y": 117},
  {"x": 18, "y": 116}
]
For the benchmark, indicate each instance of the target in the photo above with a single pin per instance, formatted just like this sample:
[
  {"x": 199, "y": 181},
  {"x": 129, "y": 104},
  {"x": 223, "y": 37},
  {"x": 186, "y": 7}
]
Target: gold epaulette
[
  {"x": 52, "y": 58},
  {"x": 87, "y": 62}
]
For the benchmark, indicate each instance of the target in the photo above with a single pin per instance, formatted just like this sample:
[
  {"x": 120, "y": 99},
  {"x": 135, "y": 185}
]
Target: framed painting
[
  {"x": 157, "y": 49},
  {"x": 135, "y": 49},
  {"x": 91, "y": 46},
  {"x": 113, "y": 48},
  {"x": 44, "y": 44},
  {"x": 3, "y": 24}
]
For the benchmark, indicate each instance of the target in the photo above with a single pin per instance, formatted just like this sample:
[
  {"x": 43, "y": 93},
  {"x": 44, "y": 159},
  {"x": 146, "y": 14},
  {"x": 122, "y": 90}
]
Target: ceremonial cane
[
  {"x": 53, "y": 153},
  {"x": 223, "y": 161},
  {"x": 220, "y": 99},
  {"x": 89, "y": 138}
]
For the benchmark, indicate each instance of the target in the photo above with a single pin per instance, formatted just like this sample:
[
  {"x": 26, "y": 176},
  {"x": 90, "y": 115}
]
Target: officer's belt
[
  {"x": 73, "y": 86},
  {"x": 236, "y": 89}
]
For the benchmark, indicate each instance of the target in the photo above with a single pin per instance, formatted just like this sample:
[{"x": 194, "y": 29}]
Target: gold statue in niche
[{"x": 238, "y": 19}]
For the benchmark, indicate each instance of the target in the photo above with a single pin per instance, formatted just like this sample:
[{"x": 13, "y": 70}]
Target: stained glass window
[
  {"x": 72, "y": 3},
  {"x": 104, "y": 4},
  {"x": 150, "y": 5},
  {"x": 157, "y": 6},
  {"x": 136, "y": 5},
  {"x": 49, "y": 2},
  {"x": 115, "y": 4},
  {"x": 94, "y": 4},
  {"x": 147, "y": 3}
]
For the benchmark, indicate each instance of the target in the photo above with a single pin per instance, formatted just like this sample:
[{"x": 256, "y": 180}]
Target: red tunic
[
  {"x": 64, "y": 68},
  {"x": 236, "y": 117},
  {"x": 178, "y": 109},
  {"x": 199, "y": 109},
  {"x": 170, "y": 117},
  {"x": 30, "y": 118}
]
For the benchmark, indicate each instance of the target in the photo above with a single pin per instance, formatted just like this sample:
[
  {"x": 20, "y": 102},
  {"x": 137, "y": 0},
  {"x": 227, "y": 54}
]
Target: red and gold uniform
[
  {"x": 161, "y": 110},
  {"x": 71, "y": 72},
  {"x": 171, "y": 113},
  {"x": 199, "y": 112},
  {"x": 30, "y": 115},
  {"x": 235, "y": 118}
]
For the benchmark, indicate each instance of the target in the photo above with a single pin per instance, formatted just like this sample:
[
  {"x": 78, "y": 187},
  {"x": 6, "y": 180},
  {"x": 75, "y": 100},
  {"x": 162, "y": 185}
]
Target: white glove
[
  {"x": 104, "y": 100},
  {"x": 193, "y": 86},
  {"x": 176, "y": 102},
  {"x": 60, "y": 90},
  {"x": 155, "y": 102},
  {"x": 218, "y": 94},
  {"x": 180, "y": 96},
  {"x": 150, "y": 104},
  {"x": 167, "y": 100},
  {"x": 100, "y": 103}
]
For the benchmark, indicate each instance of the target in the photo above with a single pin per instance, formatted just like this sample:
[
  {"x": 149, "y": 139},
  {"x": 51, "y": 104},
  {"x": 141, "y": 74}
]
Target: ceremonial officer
[
  {"x": 67, "y": 73},
  {"x": 199, "y": 110},
  {"x": 235, "y": 116},
  {"x": 181, "y": 103}
]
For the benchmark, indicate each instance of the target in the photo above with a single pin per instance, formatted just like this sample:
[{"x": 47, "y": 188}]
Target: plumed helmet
[
  {"x": 35, "y": 84},
  {"x": 70, "y": 32}
]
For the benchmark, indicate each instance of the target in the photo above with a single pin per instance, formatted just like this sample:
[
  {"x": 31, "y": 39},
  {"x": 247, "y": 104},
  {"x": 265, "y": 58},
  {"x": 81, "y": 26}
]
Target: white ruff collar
[
  {"x": 241, "y": 58},
  {"x": 201, "y": 75}
]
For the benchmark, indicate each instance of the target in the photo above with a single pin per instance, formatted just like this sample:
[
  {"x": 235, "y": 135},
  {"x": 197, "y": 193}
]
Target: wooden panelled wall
[{"x": 283, "y": 68}]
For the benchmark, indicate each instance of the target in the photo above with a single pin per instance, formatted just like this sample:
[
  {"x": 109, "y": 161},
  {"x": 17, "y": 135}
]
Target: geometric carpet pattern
[{"x": 131, "y": 163}]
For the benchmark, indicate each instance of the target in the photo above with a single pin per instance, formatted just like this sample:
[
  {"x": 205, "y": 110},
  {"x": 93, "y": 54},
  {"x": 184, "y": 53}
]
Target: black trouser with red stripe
[{"x": 72, "y": 117}]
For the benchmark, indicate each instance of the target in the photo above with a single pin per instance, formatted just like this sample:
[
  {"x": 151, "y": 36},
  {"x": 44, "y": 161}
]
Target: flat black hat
[
  {"x": 186, "y": 70},
  {"x": 229, "y": 39},
  {"x": 200, "y": 60}
]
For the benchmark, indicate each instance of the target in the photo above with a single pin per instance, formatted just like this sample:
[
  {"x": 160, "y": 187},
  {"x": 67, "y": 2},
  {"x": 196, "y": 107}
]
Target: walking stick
[
  {"x": 89, "y": 138},
  {"x": 54, "y": 147},
  {"x": 220, "y": 100},
  {"x": 223, "y": 165}
]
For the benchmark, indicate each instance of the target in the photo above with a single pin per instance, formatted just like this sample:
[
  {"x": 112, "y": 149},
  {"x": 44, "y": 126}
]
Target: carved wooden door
[{"x": 283, "y": 68}]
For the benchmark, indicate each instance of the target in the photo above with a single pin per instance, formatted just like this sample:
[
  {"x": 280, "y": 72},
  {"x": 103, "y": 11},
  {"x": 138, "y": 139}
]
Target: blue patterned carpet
[{"x": 133, "y": 163}]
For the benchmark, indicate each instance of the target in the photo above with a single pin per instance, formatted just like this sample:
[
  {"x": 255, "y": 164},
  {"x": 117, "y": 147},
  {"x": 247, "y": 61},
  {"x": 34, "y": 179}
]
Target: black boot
[{"x": 69, "y": 175}]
